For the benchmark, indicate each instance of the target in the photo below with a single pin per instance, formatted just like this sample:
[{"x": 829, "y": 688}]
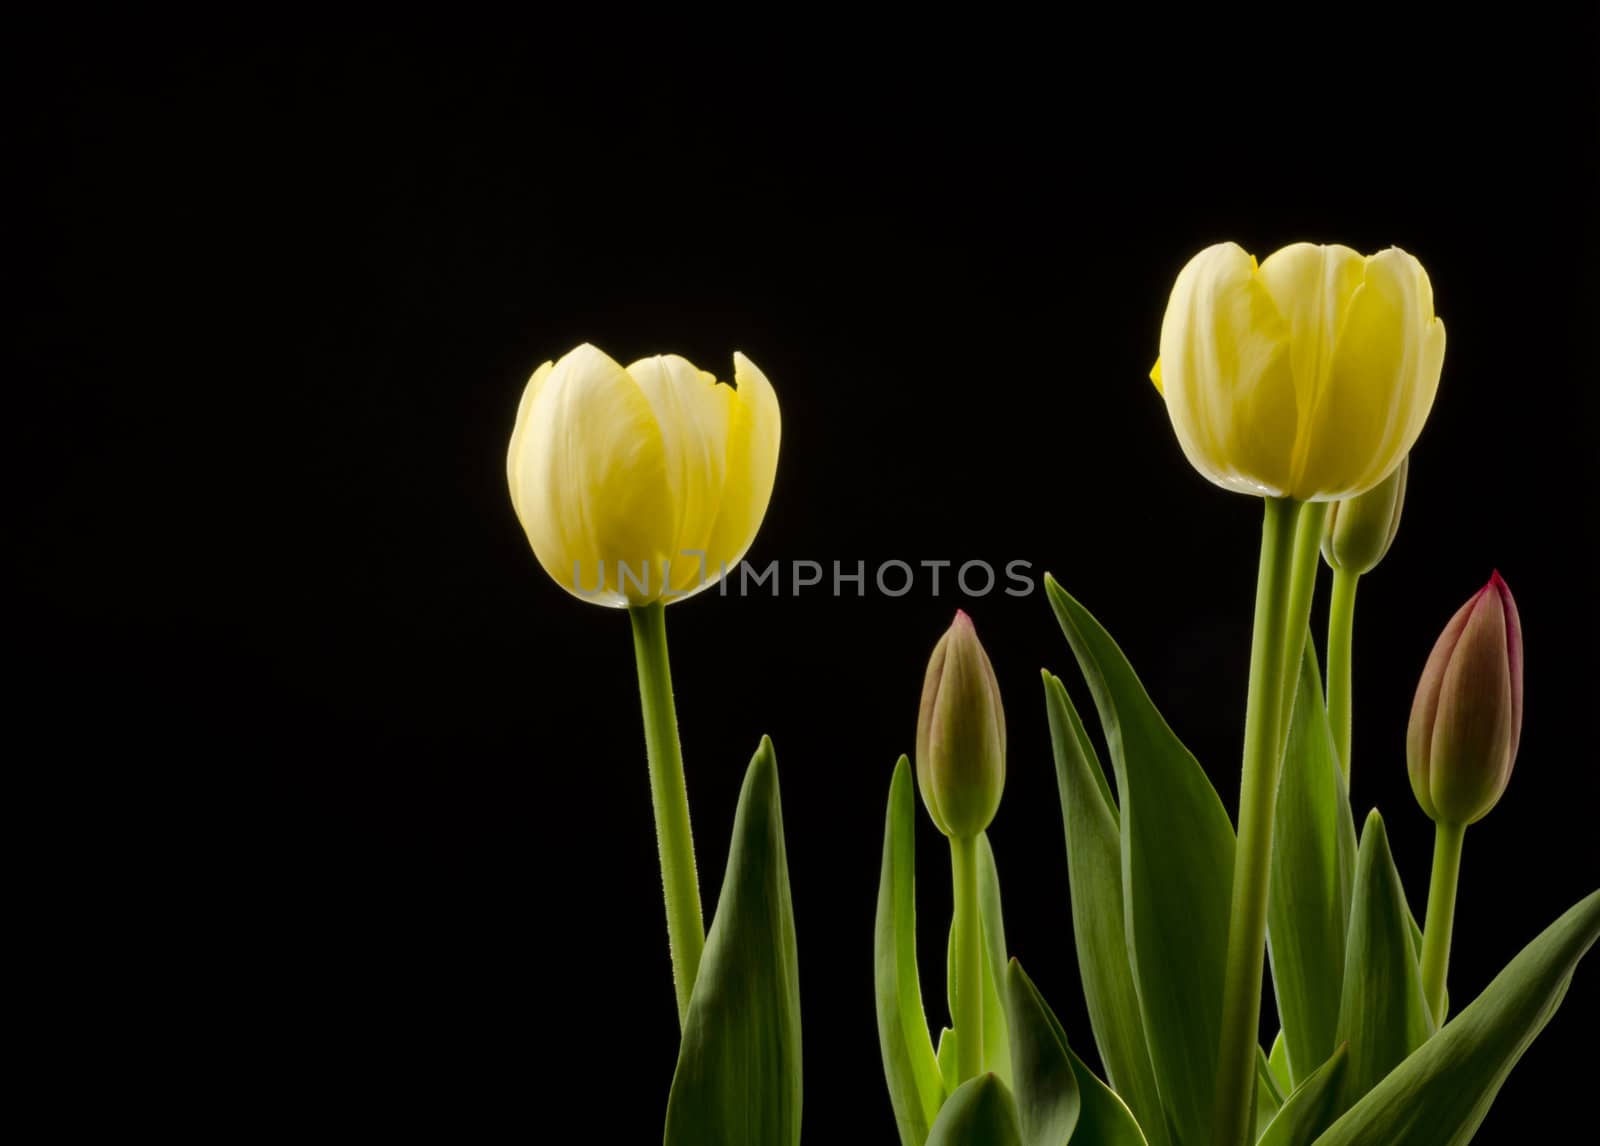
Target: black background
[{"x": 352, "y": 797}]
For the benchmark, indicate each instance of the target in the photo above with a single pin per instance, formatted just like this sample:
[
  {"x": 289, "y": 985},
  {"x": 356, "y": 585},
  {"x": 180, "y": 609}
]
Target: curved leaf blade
[
  {"x": 1440, "y": 1095},
  {"x": 1055, "y": 1078},
  {"x": 979, "y": 1113},
  {"x": 1383, "y": 1015},
  {"x": 738, "y": 1076},
  {"x": 996, "y": 1038},
  {"x": 1177, "y": 874},
  {"x": 1311, "y": 1107},
  {"x": 1099, "y": 930},
  {"x": 916, "y": 1087},
  {"x": 1278, "y": 1063},
  {"x": 1311, "y": 879},
  {"x": 1046, "y": 1092},
  {"x": 1269, "y": 1099}
]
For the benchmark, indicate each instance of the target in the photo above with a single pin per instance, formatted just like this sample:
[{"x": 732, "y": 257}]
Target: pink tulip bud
[
  {"x": 1466, "y": 720},
  {"x": 961, "y": 734}
]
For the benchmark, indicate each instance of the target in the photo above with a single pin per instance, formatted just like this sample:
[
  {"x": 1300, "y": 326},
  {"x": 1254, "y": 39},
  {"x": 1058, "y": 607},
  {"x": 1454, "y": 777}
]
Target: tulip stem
[
  {"x": 1447, "y": 840},
  {"x": 1284, "y": 582},
  {"x": 674, "y": 840},
  {"x": 968, "y": 1017},
  {"x": 1341, "y": 635}
]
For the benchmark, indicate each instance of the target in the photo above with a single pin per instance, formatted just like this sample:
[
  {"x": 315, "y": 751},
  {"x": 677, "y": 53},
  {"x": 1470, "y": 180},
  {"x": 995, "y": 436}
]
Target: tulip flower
[
  {"x": 1302, "y": 380},
  {"x": 638, "y": 487},
  {"x": 961, "y": 770},
  {"x": 1355, "y": 537},
  {"x": 1466, "y": 723},
  {"x": 646, "y": 483},
  {"x": 1308, "y": 376}
]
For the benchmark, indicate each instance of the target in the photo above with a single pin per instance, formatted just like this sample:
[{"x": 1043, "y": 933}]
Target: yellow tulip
[
  {"x": 646, "y": 483},
  {"x": 1308, "y": 376}
]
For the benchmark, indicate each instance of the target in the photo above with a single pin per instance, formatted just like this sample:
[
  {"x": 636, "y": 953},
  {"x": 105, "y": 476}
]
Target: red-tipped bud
[
  {"x": 961, "y": 734},
  {"x": 1466, "y": 720}
]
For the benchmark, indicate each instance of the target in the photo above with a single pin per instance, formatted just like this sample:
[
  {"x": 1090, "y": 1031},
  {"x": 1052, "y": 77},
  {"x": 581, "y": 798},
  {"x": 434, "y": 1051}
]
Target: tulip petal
[
  {"x": 593, "y": 485},
  {"x": 1311, "y": 286},
  {"x": 514, "y": 451},
  {"x": 1381, "y": 384},
  {"x": 754, "y": 432},
  {"x": 1473, "y": 729},
  {"x": 1425, "y": 709},
  {"x": 1227, "y": 374},
  {"x": 694, "y": 412}
]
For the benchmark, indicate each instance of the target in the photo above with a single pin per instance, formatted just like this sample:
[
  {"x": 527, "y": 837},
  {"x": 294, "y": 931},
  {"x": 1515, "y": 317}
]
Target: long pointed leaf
[
  {"x": 1311, "y": 1107},
  {"x": 1440, "y": 1095},
  {"x": 1383, "y": 1015},
  {"x": 1312, "y": 873},
  {"x": 979, "y": 1113},
  {"x": 1094, "y": 875},
  {"x": 909, "y": 1066},
  {"x": 1177, "y": 874},
  {"x": 738, "y": 1077},
  {"x": 996, "y": 1040},
  {"x": 1269, "y": 1099},
  {"x": 1278, "y": 1061},
  {"x": 1059, "y": 1099}
]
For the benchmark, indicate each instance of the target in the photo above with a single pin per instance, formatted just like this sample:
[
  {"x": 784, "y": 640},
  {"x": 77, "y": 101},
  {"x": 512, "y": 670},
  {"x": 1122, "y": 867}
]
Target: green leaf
[
  {"x": 738, "y": 1076},
  {"x": 1269, "y": 1099},
  {"x": 1416, "y": 950},
  {"x": 1440, "y": 1095},
  {"x": 979, "y": 1113},
  {"x": 949, "y": 1068},
  {"x": 1383, "y": 1015},
  {"x": 996, "y": 1039},
  {"x": 916, "y": 1087},
  {"x": 1311, "y": 1107},
  {"x": 1046, "y": 1085},
  {"x": 1055, "y": 1090},
  {"x": 1094, "y": 875},
  {"x": 1177, "y": 875},
  {"x": 1278, "y": 1061},
  {"x": 1311, "y": 876}
]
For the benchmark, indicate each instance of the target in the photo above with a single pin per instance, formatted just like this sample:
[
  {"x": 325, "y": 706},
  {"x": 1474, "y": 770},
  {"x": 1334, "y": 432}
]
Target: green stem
[
  {"x": 674, "y": 840},
  {"x": 1341, "y": 629},
  {"x": 1447, "y": 840},
  {"x": 968, "y": 1018},
  {"x": 1284, "y": 582}
]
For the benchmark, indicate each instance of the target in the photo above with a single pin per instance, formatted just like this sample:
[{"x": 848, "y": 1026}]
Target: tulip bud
[
  {"x": 1358, "y": 532},
  {"x": 1466, "y": 720},
  {"x": 961, "y": 734}
]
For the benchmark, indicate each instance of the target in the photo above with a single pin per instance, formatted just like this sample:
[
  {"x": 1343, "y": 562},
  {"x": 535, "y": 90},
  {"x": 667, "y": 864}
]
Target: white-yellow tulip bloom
[
  {"x": 1309, "y": 376},
  {"x": 641, "y": 484}
]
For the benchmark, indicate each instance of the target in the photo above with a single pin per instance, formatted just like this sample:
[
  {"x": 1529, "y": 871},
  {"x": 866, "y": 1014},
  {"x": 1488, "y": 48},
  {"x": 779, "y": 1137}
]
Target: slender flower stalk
[
  {"x": 968, "y": 1017},
  {"x": 1341, "y": 637},
  {"x": 1355, "y": 538},
  {"x": 1447, "y": 841},
  {"x": 670, "y": 799},
  {"x": 1284, "y": 582}
]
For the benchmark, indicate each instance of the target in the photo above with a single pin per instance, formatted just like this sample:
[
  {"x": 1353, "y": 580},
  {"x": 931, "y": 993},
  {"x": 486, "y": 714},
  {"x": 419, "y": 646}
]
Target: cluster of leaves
[{"x": 1360, "y": 1060}]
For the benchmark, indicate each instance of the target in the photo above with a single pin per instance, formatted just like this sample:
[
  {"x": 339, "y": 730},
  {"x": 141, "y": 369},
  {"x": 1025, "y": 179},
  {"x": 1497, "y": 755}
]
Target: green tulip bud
[
  {"x": 1358, "y": 532},
  {"x": 961, "y": 734},
  {"x": 1466, "y": 720}
]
